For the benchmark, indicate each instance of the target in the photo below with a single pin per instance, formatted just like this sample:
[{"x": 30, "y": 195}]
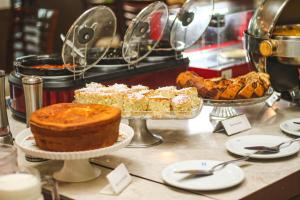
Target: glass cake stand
[
  {"x": 138, "y": 121},
  {"x": 77, "y": 167},
  {"x": 224, "y": 109}
]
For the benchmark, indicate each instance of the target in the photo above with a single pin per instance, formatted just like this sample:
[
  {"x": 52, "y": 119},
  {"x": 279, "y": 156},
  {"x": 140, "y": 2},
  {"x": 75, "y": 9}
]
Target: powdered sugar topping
[{"x": 180, "y": 99}]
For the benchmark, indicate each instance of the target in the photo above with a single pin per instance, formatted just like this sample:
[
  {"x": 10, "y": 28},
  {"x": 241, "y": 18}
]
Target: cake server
[
  {"x": 275, "y": 148},
  {"x": 196, "y": 173},
  {"x": 208, "y": 172}
]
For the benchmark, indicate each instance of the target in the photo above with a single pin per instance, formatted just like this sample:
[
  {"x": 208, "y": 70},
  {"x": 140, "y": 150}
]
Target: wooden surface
[{"x": 193, "y": 139}]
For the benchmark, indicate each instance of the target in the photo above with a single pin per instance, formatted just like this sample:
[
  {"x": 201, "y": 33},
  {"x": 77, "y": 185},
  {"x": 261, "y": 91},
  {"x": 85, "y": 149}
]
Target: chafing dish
[{"x": 274, "y": 47}]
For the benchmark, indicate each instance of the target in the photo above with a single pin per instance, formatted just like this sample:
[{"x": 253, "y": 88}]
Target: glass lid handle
[
  {"x": 186, "y": 17},
  {"x": 190, "y": 23},
  {"x": 85, "y": 34},
  {"x": 141, "y": 29}
]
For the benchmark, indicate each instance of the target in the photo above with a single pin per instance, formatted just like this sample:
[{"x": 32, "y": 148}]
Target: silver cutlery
[
  {"x": 297, "y": 123},
  {"x": 207, "y": 172},
  {"x": 195, "y": 173},
  {"x": 275, "y": 148}
]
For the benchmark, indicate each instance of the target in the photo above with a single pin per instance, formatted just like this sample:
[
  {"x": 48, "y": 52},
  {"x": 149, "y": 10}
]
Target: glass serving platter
[
  {"x": 143, "y": 137},
  {"x": 238, "y": 102},
  {"x": 163, "y": 115},
  {"x": 224, "y": 109}
]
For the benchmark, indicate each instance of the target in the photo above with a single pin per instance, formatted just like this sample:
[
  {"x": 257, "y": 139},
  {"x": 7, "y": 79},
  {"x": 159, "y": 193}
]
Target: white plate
[
  {"x": 229, "y": 176},
  {"x": 236, "y": 146},
  {"x": 290, "y": 127},
  {"x": 25, "y": 141}
]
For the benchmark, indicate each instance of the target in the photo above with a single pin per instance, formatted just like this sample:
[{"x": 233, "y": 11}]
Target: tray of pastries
[
  {"x": 248, "y": 89},
  {"x": 141, "y": 102}
]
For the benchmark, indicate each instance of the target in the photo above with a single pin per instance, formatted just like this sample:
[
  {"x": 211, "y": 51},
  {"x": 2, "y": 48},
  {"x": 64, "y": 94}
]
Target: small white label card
[
  {"x": 118, "y": 180},
  {"x": 233, "y": 125}
]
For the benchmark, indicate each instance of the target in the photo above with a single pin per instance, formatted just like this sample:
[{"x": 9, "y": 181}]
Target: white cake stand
[{"x": 77, "y": 167}]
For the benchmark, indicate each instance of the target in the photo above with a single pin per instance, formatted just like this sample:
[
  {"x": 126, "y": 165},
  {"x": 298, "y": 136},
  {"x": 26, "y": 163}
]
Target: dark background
[{"x": 67, "y": 12}]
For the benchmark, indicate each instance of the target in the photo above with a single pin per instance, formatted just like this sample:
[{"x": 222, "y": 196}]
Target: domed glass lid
[
  {"x": 145, "y": 32},
  {"x": 89, "y": 38},
  {"x": 190, "y": 23}
]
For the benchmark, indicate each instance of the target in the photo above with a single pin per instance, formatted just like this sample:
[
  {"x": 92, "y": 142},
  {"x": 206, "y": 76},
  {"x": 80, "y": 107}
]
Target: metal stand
[
  {"x": 221, "y": 113},
  {"x": 142, "y": 136},
  {"x": 224, "y": 109}
]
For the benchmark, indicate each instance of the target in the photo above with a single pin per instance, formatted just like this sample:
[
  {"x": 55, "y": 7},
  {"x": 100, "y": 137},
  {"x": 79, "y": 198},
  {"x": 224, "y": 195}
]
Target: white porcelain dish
[
  {"x": 237, "y": 146},
  {"x": 227, "y": 177}
]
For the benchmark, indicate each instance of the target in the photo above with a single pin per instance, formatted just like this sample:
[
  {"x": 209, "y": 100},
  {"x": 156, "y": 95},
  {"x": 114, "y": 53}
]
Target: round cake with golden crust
[{"x": 69, "y": 127}]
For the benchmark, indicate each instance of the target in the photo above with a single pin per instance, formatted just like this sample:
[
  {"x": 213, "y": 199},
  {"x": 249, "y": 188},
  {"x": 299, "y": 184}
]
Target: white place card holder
[
  {"x": 118, "y": 180},
  {"x": 233, "y": 125}
]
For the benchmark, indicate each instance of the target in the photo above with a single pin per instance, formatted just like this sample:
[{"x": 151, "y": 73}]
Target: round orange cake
[{"x": 69, "y": 127}]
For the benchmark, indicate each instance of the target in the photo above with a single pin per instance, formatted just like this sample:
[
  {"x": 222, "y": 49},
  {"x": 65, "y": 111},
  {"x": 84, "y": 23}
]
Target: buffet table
[{"x": 192, "y": 140}]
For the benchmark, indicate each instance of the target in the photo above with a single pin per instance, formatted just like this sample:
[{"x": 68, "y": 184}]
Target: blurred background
[{"x": 33, "y": 26}]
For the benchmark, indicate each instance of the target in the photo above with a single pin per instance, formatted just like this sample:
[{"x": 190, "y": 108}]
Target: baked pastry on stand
[
  {"x": 141, "y": 103},
  {"x": 225, "y": 94},
  {"x": 77, "y": 167}
]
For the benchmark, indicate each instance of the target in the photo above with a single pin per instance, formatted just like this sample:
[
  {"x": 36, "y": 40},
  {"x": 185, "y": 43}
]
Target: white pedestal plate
[{"x": 77, "y": 167}]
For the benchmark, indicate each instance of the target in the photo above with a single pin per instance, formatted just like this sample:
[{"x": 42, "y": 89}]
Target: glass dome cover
[
  {"x": 190, "y": 23},
  {"x": 89, "y": 38},
  {"x": 145, "y": 32}
]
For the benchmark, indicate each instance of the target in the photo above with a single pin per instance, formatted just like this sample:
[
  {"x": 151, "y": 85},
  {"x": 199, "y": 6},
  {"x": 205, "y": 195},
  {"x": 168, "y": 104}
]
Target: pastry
[
  {"x": 247, "y": 91},
  {"x": 192, "y": 93},
  {"x": 137, "y": 88},
  {"x": 69, "y": 127},
  {"x": 159, "y": 105},
  {"x": 135, "y": 103},
  {"x": 181, "y": 104},
  {"x": 259, "y": 90},
  {"x": 265, "y": 78},
  {"x": 231, "y": 91},
  {"x": 253, "y": 84},
  {"x": 183, "y": 78},
  {"x": 98, "y": 96},
  {"x": 137, "y": 99},
  {"x": 119, "y": 87},
  {"x": 147, "y": 93},
  {"x": 94, "y": 85},
  {"x": 169, "y": 91}
]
